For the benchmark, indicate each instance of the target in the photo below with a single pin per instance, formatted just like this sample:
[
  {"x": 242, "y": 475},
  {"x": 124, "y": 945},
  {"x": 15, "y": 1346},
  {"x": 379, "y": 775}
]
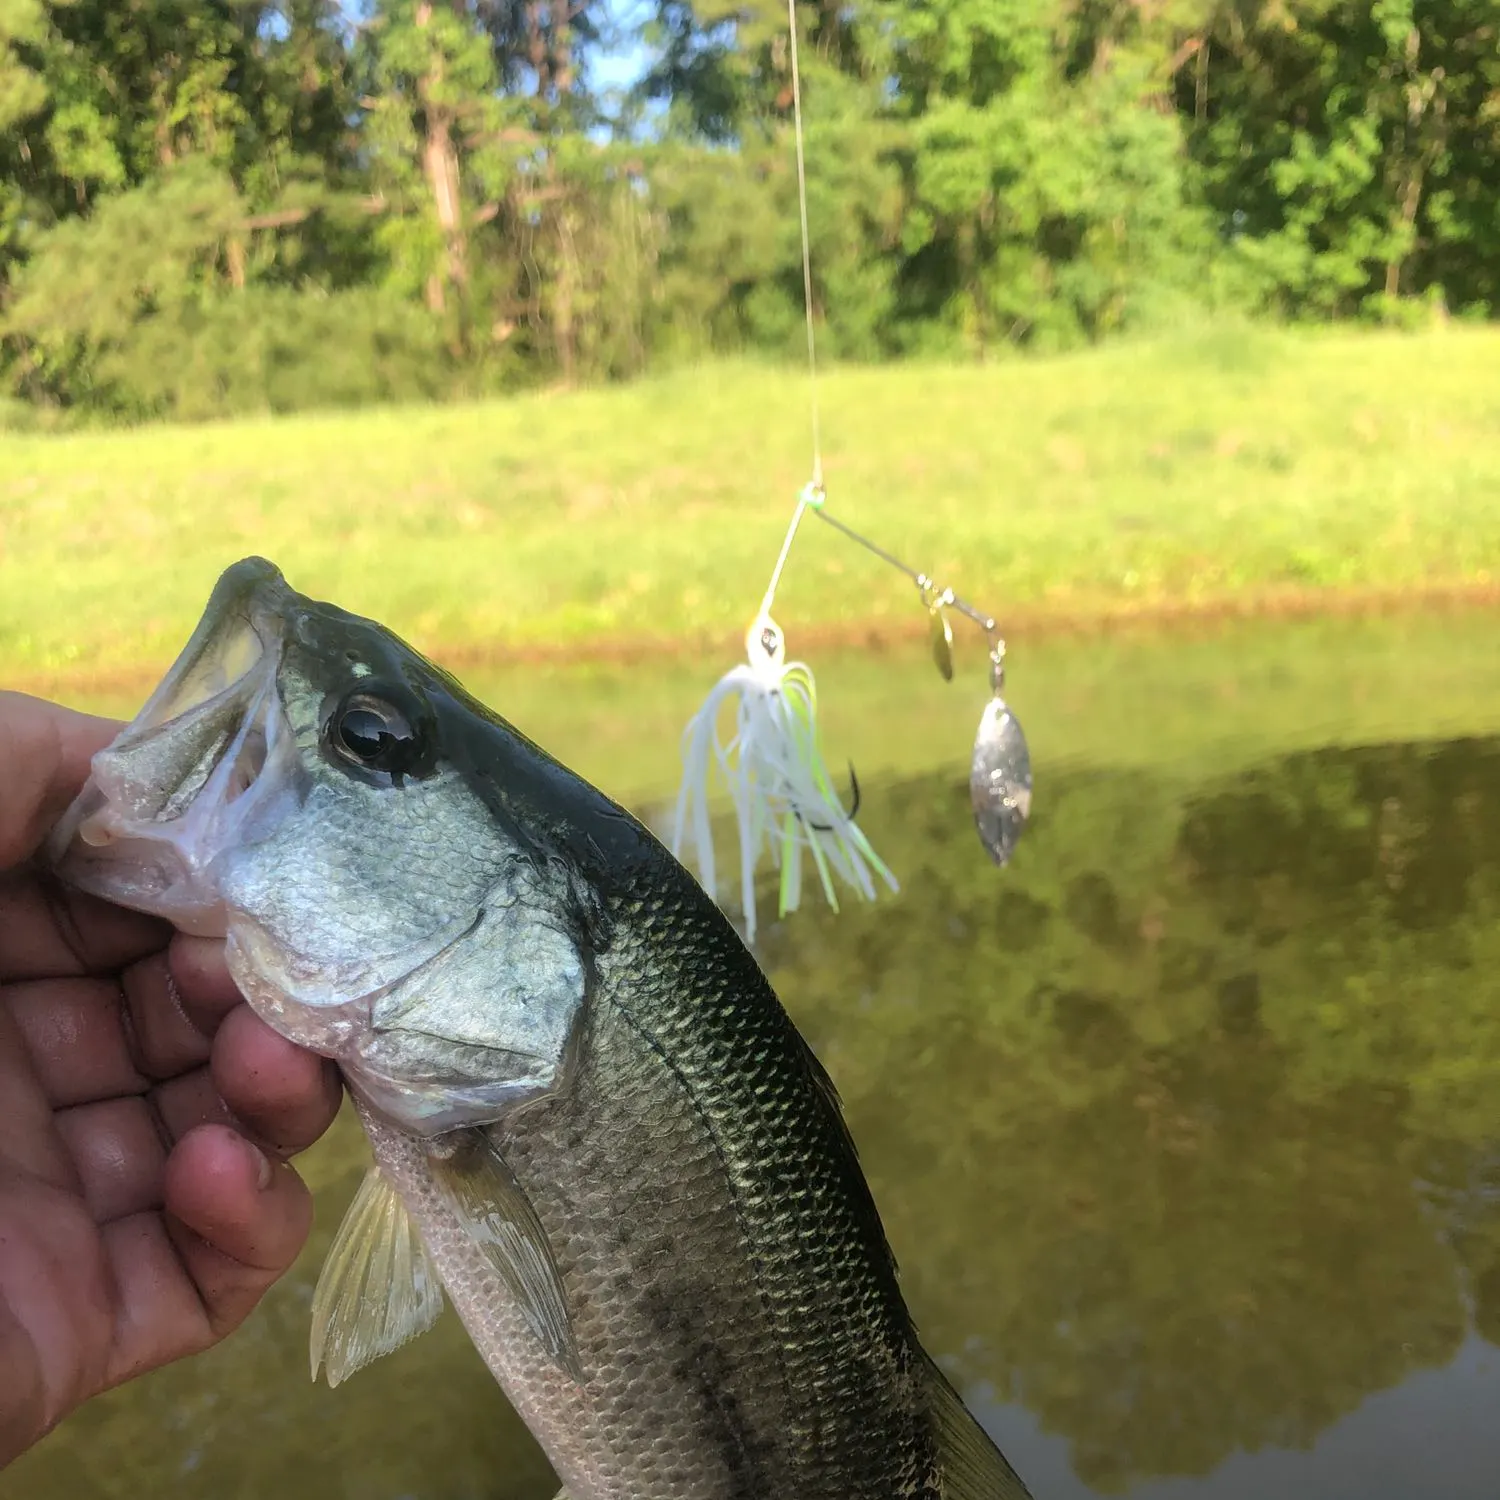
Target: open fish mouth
[{"x": 194, "y": 772}]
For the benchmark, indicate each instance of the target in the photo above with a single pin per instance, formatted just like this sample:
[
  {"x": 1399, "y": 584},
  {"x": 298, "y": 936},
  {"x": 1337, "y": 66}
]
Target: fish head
[{"x": 404, "y": 882}]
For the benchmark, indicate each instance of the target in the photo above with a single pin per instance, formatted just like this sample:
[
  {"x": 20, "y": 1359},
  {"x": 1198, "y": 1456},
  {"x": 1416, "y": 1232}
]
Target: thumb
[{"x": 45, "y": 751}]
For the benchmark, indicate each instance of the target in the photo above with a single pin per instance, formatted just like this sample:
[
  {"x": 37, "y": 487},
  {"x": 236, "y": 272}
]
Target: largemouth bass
[{"x": 593, "y": 1123}]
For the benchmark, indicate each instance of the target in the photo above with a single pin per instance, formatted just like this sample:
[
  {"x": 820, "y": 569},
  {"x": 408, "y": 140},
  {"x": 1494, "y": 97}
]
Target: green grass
[{"x": 1224, "y": 470}]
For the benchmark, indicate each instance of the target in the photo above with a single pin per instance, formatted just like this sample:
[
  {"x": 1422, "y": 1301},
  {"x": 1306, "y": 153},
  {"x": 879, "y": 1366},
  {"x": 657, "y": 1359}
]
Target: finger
[
  {"x": 24, "y": 1417},
  {"x": 159, "y": 1316},
  {"x": 117, "y": 1151},
  {"x": 45, "y": 750},
  {"x": 166, "y": 1039},
  {"x": 28, "y": 1139},
  {"x": 176, "y": 1000},
  {"x": 234, "y": 1222},
  {"x": 285, "y": 1095},
  {"x": 242, "y": 1220},
  {"x": 75, "y": 1033},
  {"x": 47, "y": 928},
  {"x": 282, "y": 1108},
  {"x": 183, "y": 1104},
  {"x": 204, "y": 989}
]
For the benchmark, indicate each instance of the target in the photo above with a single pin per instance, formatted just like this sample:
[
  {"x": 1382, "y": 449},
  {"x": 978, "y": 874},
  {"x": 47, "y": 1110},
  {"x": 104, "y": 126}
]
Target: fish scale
[
  {"x": 594, "y": 1124},
  {"x": 827, "y": 1280}
]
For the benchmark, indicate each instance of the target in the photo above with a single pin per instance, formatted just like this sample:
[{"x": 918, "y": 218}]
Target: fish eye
[{"x": 368, "y": 730}]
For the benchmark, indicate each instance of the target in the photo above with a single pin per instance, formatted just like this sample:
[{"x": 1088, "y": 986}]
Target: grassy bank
[{"x": 1228, "y": 471}]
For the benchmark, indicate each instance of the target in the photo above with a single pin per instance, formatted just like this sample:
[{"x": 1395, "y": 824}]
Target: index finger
[{"x": 45, "y": 750}]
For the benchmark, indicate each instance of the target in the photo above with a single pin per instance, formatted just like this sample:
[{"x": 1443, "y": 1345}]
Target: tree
[
  {"x": 183, "y": 154},
  {"x": 1353, "y": 150},
  {"x": 981, "y": 174}
]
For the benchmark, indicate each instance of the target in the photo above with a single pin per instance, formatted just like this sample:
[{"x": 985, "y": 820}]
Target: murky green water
[{"x": 1186, "y": 1129}]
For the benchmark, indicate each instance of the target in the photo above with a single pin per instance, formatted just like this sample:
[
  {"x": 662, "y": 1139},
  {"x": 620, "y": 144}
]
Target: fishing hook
[{"x": 850, "y": 815}]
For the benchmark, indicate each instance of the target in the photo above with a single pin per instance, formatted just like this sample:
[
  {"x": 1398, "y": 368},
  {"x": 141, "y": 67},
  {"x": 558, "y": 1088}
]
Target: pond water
[{"x": 1186, "y": 1128}]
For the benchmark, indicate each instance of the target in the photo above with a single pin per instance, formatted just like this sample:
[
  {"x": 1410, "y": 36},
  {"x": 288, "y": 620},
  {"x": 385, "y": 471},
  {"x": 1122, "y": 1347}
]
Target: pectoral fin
[
  {"x": 377, "y": 1289},
  {"x": 973, "y": 1467},
  {"x": 484, "y": 1195}
]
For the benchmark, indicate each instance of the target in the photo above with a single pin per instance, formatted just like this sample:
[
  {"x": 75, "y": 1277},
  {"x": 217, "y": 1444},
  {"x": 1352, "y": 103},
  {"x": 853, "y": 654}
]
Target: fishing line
[
  {"x": 815, "y": 488},
  {"x": 784, "y": 800},
  {"x": 807, "y": 285}
]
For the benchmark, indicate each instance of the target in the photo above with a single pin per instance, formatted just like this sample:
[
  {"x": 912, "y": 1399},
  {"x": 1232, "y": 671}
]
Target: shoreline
[{"x": 1184, "y": 617}]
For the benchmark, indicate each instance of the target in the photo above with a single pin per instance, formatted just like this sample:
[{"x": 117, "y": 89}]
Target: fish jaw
[
  {"x": 447, "y": 993},
  {"x": 207, "y": 769},
  {"x": 204, "y": 769},
  {"x": 207, "y": 761}
]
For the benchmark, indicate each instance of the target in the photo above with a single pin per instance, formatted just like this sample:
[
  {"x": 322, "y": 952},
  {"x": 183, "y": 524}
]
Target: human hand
[{"x": 146, "y": 1116}]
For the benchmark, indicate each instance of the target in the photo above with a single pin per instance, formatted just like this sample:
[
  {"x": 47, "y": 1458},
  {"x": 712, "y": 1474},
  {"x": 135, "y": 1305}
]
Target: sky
[{"x": 613, "y": 69}]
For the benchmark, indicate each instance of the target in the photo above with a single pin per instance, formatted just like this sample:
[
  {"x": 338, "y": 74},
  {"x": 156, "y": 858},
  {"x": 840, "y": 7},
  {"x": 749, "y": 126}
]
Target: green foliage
[
  {"x": 184, "y": 155},
  {"x": 1353, "y": 149},
  {"x": 1045, "y": 211},
  {"x": 981, "y": 174},
  {"x": 270, "y": 349},
  {"x": 23, "y": 91},
  {"x": 730, "y": 264},
  {"x": 126, "y": 309},
  {"x": 141, "y": 258}
]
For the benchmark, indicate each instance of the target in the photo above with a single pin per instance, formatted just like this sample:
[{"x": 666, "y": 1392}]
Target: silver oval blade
[{"x": 1000, "y": 780}]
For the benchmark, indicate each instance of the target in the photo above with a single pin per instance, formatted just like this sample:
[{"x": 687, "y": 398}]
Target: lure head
[{"x": 765, "y": 645}]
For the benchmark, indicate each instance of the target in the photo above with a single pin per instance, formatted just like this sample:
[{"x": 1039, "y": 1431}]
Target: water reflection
[
  {"x": 1186, "y": 1130},
  {"x": 1185, "y": 1134}
]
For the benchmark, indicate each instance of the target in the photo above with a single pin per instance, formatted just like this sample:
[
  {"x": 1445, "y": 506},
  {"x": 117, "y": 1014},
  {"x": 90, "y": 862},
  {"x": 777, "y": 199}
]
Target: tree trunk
[
  {"x": 1411, "y": 200},
  {"x": 536, "y": 45},
  {"x": 561, "y": 61},
  {"x": 440, "y": 167},
  {"x": 564, "y": 330},
  {"x": 1426, "y": 109}
]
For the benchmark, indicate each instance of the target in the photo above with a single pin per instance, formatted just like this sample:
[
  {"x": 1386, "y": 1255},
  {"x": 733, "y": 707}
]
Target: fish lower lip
[
  {"x": 141, "y": 874},
  {"x": 158, "y": 852}
]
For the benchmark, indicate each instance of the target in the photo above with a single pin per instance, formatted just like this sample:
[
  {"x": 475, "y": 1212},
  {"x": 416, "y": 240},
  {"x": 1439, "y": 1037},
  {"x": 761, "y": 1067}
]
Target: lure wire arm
[{"x": 814, "y": 498}]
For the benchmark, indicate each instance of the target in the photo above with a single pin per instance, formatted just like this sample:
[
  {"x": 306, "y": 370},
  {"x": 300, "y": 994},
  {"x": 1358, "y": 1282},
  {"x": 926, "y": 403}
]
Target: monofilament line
[
  {"x": 807, "y": 285},
  {"x": 816, "y": 487}
]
